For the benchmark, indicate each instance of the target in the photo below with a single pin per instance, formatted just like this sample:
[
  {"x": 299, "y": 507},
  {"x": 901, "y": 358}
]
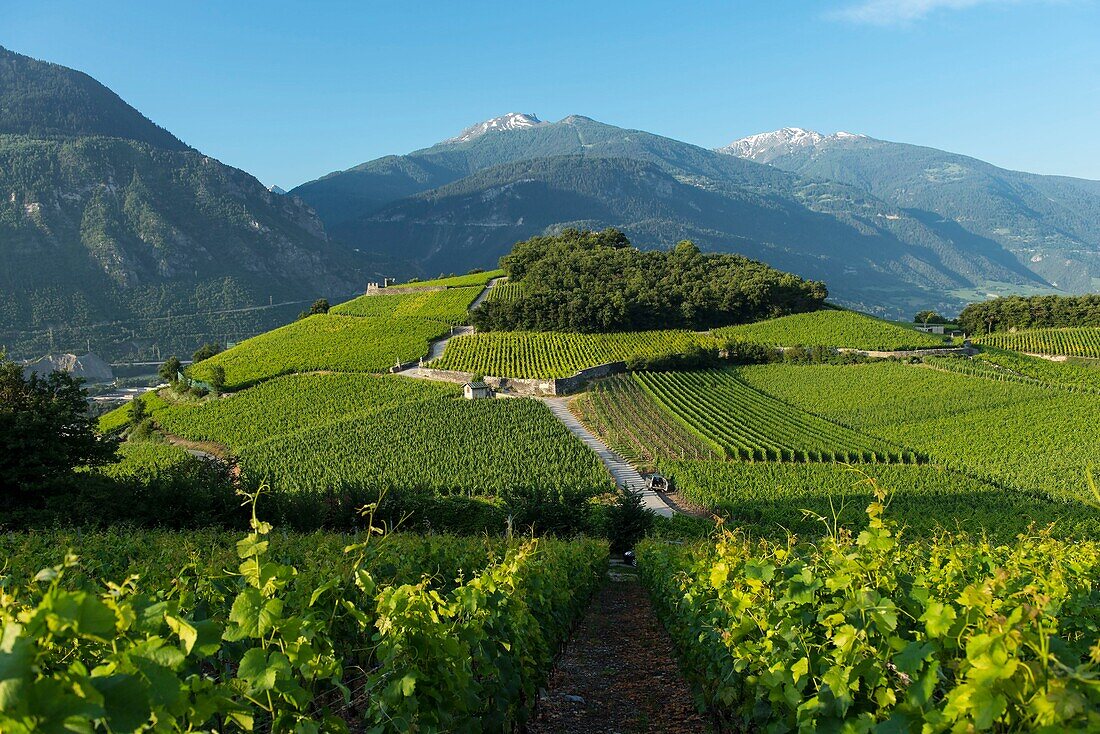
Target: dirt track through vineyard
[{"x": 619, "y": 672}]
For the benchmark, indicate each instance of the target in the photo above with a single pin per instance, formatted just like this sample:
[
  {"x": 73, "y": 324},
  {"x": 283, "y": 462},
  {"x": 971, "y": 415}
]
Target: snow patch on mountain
[
  {"x": 511, "y": 121},
  {"x": 766, "y": 147}
]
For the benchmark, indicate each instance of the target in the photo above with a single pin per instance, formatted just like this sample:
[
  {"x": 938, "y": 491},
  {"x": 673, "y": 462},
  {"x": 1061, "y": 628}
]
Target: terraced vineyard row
[
  {"x": 365, "y": 434},
  {"x": 524, "y": 354},
  {"x": 635, "y": 427},
  {"x": 1074, "y": 342},
  {"x": 832, "y": 329},
  {"x": 504, "y": 292},
  {"x": 325, "y": 342},
  {"x": 744, "y": 423},
  {"x": 450, "y": 305},
  {"x": 1026, "y": 436}
]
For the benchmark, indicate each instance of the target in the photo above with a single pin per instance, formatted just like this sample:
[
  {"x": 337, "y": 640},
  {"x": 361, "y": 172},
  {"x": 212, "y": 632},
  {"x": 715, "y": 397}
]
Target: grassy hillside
[
  {"x": 325, "y": 343},
  {"x": 449, "y": 306}
]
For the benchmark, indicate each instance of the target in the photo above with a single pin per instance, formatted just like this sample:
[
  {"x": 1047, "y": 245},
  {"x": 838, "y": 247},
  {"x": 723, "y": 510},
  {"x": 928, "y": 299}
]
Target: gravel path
[
  {"x": 625, "y": 475},
  {"x": 619, "y": 672}
]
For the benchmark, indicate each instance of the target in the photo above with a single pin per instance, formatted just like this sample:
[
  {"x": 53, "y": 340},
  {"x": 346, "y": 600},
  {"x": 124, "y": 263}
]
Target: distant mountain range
[
  {"x": 108, "y": 221},
  {"x": 1051, "y": 224},
  {"x": 882, "y": 244}
]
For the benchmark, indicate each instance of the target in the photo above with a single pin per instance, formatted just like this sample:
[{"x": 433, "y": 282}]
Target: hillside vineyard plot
[
  {"x": 744, "y": 423},
  {"x": 455, "y": 281},
  {"x": 845, "y": 329},
  {"x": 528, "y": 354},
  {"x": 1027, "y": 436},
  {"x": 292, "y": 404},
  {"x": 506, "y": 449},
  {"x": 450, "y": 305},
  {"x": 325, "y": 342},
  {"x": 635, "y": 426},
  {"x": 1008, "y": 366},
  {"x": 319, "y": 433},
  {"x": 505, "y": 292},
  {"x": 771, "y": 498},
  {"x": 1079, "y": 342}
]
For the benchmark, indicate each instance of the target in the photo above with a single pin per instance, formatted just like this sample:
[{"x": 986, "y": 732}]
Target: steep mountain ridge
[
  {"x": 106, "y": 219},
  {"x": 41, "y": 99},
  {"x": 460, "y": 204},
  {"x": 1051, "y": 224}
]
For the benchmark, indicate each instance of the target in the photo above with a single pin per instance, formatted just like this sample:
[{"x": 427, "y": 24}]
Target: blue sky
[{"x": 292, "y": 90}]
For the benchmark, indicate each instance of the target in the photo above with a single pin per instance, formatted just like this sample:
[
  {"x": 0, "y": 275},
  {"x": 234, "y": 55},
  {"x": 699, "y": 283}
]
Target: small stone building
[{"x": 477, "y": 389}]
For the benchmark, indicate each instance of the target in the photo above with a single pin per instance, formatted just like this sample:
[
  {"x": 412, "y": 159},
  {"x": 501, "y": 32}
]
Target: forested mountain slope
[{"x": 108, "y": 220}]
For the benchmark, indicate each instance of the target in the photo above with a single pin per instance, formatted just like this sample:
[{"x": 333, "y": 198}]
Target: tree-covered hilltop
[
  {"x": 588, "y": 281},
  {"x": 1035, "y": 312}
]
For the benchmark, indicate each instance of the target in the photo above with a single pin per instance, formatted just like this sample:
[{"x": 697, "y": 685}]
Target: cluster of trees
[
  {"x": 1035, "y": 312},
  {"x": 929, "y": 317},
  {"x": 45, "y": 432},
  {"x": 597, "y": 282},
  {"x": 176, "y": 376}
]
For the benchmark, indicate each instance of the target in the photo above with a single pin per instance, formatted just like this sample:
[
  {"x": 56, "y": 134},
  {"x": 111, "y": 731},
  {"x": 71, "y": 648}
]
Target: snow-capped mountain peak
[
  {"x": 511, "y": 121},
  {"x": 765, "y": 147}
]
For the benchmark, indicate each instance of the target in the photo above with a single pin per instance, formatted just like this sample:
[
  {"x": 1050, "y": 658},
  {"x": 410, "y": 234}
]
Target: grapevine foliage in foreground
[
  {"x": 950, "y": 634},
  {"x": 273, "y": 653}
]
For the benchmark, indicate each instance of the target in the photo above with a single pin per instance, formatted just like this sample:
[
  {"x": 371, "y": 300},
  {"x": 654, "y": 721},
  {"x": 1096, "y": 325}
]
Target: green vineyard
[
  {"x": 1000, "y": 364},
  {"x": 635, "y": 426},
  {"x": 449, "y": 305},
  {"x": 455, "y": 281},
  {"x": 505, "y": 292},
  {"x": 366, "y": 435},
  {"x": 1073, "y": 342},
  {"x": 292, "y": 404},
  {"x": 325, "y": 342},
  {"x": 744, "y": 423},
  {"x": 832, "y": 329},
  {"x": 777, "y": 498},
  {"x": 527, "y": 354},
  {"x": 1026, "y": 436}
]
